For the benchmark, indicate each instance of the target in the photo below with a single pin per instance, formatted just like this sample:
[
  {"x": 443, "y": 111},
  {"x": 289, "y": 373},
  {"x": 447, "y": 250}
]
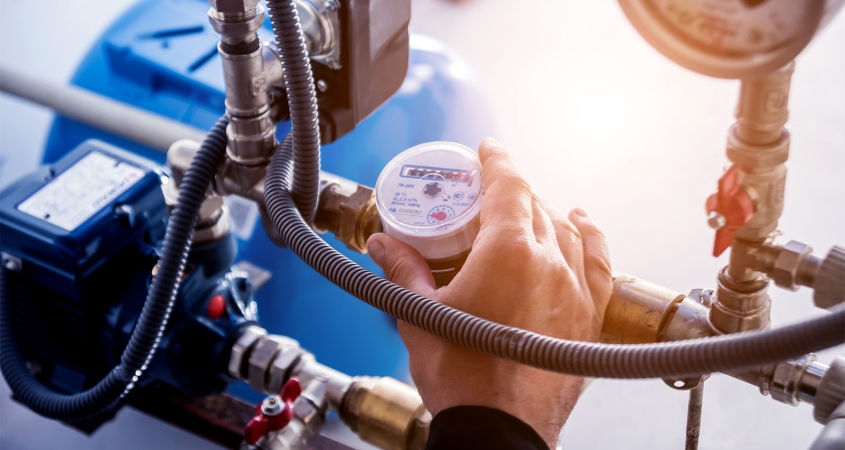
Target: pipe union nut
[
  {"x": 785, "y": 270},
  {"x": 233, "y": 6},
  {"x": 246, "y": 341},
  {"x": 282, "y": 367},
  {"x": 785, "y": 379},
  {"x": 260, "y": 360}
]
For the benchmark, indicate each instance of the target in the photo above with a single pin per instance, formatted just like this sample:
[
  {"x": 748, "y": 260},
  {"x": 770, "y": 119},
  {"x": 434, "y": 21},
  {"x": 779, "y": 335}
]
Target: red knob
[
  {"x": 274, "y": 413},
  {"x": 731, "y": 207},
  {"x": 216, "y": 306}
]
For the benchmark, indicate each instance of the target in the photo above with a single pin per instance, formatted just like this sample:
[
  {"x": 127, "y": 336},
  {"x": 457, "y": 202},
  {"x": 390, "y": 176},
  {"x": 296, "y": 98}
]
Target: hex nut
[
  {"x": 784, "y": 378},
  {"x": 259, "y": 362},
  {"x": 242, "y": 346},
  {"x": 753, "y": 157},
  {"x": 281, "y": 367},
  {"x": 786, "y": 264},
  {"x": 233, "y": 6}
]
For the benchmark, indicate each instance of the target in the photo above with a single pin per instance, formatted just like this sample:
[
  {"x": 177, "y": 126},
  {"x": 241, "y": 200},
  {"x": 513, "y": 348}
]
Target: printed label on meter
[
  {"x": 82, "y": 190},
  {"x": 429, "y": 191}
]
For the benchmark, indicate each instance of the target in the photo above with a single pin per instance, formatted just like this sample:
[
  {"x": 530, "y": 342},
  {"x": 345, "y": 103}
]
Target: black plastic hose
[
  {"x": 154, "y": 316},
  {"x": 676, "y": 359},
  {"x": 286, "y": 195},
  {"x": 302, "y": 100}
]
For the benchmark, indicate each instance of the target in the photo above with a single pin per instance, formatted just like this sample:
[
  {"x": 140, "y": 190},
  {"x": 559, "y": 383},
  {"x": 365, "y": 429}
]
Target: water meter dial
[{"x": 429, "y": 197}]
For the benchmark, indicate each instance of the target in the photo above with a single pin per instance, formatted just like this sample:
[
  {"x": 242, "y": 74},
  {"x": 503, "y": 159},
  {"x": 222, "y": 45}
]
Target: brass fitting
[
  {"x": 386, "y": 413},
  {"x": 348, "y": 210},
  {"x": 638, "y": 311}
]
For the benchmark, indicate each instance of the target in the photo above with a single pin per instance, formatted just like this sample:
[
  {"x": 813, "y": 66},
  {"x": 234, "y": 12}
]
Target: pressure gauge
[
  {"x": 429, "y": 197},
  {"x": 730, "y": 38}
]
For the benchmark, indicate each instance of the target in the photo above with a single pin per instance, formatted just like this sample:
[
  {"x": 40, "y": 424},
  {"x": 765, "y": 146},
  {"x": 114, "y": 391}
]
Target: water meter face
[
  {"x": 741, "y": 26},
  {"x": 429, "y": 197},
  {"x": 432, "y": 189}
]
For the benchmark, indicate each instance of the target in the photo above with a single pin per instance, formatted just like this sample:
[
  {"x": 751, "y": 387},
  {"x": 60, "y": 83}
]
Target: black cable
[
  {"x": 302, "y": 100},
  {"x": 154, "y": 316},
  {"x": 729, "y": 353}
]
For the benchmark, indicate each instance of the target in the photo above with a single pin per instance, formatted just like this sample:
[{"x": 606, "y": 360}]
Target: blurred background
[{"x": 597, "y": 119}]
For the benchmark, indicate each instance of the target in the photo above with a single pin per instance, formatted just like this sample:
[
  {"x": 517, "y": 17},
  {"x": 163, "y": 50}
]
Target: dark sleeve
[{"x": 479, "y": 427}]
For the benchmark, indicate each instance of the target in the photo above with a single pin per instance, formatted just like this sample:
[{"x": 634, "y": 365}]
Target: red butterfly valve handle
[
  {"x": 274, "y": 413},
  {"x": 729, "y": 209}
]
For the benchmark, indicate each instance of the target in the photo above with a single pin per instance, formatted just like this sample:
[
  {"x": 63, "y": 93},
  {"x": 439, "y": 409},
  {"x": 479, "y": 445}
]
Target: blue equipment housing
[
  {"x": 79, "y": 290},
  {"x": 161, "y": 56}
]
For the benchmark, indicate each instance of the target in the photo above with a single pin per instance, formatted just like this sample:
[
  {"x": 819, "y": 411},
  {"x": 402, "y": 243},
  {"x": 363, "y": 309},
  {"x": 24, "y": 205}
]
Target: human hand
[{"x": 530, "y": 267}]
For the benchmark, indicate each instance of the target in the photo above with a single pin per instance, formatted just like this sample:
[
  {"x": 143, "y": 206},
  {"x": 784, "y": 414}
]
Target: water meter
[
  {"x": 730, "y": 38},
  {"x": 429, "y": 197}
]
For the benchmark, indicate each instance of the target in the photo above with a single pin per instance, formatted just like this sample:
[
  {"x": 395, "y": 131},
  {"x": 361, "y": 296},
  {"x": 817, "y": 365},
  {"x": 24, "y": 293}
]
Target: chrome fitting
[
  {"x": 788, "y": 378},
  {"x": 788, "y": 382},
  {"x": 260, "y": 358},
  {"x": 690, "y": 318},
  {"x": 241, "y": 14},
  {"x": 786, "y": 268},
  {"x": 739, "y": 306},
  {"x": 282, "y": 366},
  {"x": 213, "y": 219},
  {"x": 239, "y": 355},
  {"x": 321, "y": 25}
]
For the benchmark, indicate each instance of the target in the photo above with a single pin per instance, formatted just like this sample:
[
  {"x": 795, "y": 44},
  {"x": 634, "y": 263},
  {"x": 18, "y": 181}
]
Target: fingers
[
  {"x": 401, "y": 263},
  {"x": 597, "y": 270},
  {"x": 507, "y": 202},
  {"x": 568, "y": 238}
]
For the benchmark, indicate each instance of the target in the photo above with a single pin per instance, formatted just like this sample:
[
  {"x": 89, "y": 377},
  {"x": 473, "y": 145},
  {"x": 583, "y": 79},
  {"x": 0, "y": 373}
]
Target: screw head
[
  {"x": 123, "y": 210},
  {"x": 331, "y": 5},
  {"x": 322, "y": 86},
  {"x": 272, "y": 406},
  {"x": 716, "y": 220},
  {"x": 12, "y": 264}
]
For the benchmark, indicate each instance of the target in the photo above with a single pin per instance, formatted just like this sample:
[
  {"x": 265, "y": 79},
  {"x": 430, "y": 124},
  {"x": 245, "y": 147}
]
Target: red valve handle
[
  {"x": 733, "y": 204},
  {"x": 266, "y": 419}
]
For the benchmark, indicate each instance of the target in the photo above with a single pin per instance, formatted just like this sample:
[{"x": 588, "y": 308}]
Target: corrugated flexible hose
[
  {"x": 302, "y": 102},
  {"x": 285, "y": 196},
  {"x": 154, "y": 315},
  {"x": 677, "y": 359}
]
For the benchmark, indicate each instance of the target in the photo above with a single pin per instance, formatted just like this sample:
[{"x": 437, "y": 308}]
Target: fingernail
[
  {"x": 376, "y": 251},
  {"x": 581, "y": 212},
  {"x": 495, "y": 142}
]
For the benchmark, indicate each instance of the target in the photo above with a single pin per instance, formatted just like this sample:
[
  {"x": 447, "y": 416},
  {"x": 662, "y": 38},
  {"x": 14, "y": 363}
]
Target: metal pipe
[
  {"x": 696, "y": 399},
  {"x": 97, "y": 111}
]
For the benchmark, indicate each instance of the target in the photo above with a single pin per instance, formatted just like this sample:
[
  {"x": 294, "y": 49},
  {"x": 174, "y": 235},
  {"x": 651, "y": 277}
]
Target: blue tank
[{"x": 161, "y": 56}]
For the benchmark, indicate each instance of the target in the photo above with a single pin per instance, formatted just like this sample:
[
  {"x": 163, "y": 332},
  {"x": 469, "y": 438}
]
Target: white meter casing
[{"x": 429, "y": 197}]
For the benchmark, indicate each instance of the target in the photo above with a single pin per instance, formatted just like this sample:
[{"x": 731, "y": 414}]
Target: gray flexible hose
[
  {"x": 285, "y": 196},
  {"x": 729, "y": 353},
  {"x": 302, "y": 102}
]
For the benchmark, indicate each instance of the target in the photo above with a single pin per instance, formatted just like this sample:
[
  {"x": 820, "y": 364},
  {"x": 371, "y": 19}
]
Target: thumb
[{"x": 401, "y": 263}]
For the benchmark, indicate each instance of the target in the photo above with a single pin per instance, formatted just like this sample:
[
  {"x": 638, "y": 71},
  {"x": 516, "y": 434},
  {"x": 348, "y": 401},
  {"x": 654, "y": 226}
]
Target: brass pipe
[{"x": 638, "y": 311}]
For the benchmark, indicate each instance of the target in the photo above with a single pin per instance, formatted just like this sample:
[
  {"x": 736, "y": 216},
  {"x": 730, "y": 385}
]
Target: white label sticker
[{"x": 78, "y": 193}]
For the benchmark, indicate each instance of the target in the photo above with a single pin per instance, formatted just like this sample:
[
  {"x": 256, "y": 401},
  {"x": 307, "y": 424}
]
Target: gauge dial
[
  {"x": 743, "y": 26},
  {"x": 730, "y": 38},
  {"x": 440, "y": 214}
]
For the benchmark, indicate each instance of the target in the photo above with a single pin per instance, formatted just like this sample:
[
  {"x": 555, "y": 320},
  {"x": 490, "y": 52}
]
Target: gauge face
[
  {"x": 735, "y": 26},
  {"x": 431, "y": 189},
  {"x": 440, "y": 214}
]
